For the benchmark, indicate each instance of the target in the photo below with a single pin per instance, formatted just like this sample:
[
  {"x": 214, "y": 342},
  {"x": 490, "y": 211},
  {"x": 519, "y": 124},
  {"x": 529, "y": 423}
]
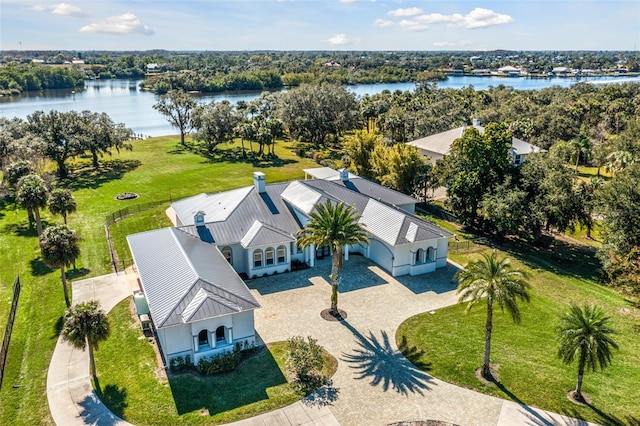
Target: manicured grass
[
  {"x": 131, "y": 387},
  {"x": 157, "y": 169},
  {"x": 449, "y": 343}
]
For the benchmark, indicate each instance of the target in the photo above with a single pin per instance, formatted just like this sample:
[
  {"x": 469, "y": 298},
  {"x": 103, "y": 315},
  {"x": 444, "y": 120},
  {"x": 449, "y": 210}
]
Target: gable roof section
[
  {"x": 261, "y": 234},
  {"x": 217, "y": 207},
  {"x": 520, "y": 147},
  {"x": 174, "y": 266},
  {"x": 382, "y": 221},
  {"x": 377, "y": 191}
]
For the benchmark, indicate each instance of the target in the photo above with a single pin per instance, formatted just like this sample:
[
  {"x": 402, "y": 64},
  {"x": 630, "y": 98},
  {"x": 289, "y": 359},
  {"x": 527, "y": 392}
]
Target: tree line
[{"x": 16, "y": 79}]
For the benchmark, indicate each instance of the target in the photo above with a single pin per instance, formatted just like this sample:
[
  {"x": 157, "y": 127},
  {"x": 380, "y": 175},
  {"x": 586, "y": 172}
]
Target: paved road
[{"x": 374, "y": 383}]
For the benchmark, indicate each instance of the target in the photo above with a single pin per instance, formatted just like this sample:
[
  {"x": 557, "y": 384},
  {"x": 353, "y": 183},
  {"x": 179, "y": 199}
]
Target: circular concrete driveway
[{"x": 375, "y": 384}]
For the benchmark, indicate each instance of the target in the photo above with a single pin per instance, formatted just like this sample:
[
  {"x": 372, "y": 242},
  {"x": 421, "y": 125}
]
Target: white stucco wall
[
  {"x": 270, "y": 269},
  {"x": 443, "y": 248}
]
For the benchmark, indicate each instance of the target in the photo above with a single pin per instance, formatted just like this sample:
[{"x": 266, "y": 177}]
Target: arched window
[
  {"x": 226, "y": 252},
  {"x": 203, "y": 338},
  {"x": 269, "y": 255},
  {"x": 430, "y": 252},
  {"x": 257, "y": 258},
  {"x": 419, "y": 256},
  {"x": 220, "y": 334},
  {"x": 282, "y": 254}
]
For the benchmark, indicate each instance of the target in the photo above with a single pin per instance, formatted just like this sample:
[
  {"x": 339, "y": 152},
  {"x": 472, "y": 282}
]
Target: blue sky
[{"x": 320, "y": 25}]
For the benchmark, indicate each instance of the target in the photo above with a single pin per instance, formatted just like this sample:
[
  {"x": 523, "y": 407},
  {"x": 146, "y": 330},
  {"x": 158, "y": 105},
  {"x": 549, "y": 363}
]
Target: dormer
[{"x": 198, "y": 218}]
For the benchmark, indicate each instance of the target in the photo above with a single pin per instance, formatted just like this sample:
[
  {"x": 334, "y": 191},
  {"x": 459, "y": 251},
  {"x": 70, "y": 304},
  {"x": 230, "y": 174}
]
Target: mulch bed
[{"x": 327, "y": 315}]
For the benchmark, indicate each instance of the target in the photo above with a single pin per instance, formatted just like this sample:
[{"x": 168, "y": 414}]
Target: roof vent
[
  {"x": 344, "y": 175},
  {"x": 198, "y": 218},
  {"x": 259, "y": 181}
]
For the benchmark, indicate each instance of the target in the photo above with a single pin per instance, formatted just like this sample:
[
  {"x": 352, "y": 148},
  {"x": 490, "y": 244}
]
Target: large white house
[
  {"x": 437, "y": 146},
  {"x": 189, "y": 273}
]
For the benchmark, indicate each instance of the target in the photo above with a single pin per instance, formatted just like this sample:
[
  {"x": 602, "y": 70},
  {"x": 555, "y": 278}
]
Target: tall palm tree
[
  {"x": 493, "y": 280},
  {"x": 333, "y": 225},
  {"x": 584, "y": 333},
  {"x": 61, "y": 202},
  {"x": 59, "y": 247},
  {"x": 33, "y": 194},
  {"x": 86, "y": 325}
]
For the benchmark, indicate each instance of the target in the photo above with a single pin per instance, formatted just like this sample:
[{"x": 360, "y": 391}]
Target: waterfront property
[
  {"x": 437, "y": 146},
  {"x": 190, "y": 272}
]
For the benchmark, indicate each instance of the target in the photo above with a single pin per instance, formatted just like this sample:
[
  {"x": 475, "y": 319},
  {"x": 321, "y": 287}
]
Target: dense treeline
[{"x": 19, "y": 78}]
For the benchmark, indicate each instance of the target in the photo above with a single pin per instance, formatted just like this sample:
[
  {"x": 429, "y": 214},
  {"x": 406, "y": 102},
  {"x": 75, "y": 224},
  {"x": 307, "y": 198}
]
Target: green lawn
[
  {"x": 449, "y": 343},
  {"x": 130, "y": 386},
  {"x": 157, "y": 169}
]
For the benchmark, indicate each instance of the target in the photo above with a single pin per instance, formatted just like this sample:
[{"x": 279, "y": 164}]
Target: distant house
[
  {"x": 190, "y": 273},
  {"x": 561, "y": 71},
  {"x": 153, "y": 68},
  {"x": 437, "y": 146},
  {"x": 510, "y": 71}
]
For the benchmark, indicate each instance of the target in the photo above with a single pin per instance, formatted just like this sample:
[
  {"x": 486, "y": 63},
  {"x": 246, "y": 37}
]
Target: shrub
[
  {"x": 305, "y": 361},
  {"x": 180, "y": 363},
  {"x": 220, "y": 363}
]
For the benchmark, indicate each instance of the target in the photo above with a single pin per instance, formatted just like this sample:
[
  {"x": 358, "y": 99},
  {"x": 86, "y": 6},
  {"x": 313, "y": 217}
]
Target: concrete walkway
[{"x": 374, "y": 384}]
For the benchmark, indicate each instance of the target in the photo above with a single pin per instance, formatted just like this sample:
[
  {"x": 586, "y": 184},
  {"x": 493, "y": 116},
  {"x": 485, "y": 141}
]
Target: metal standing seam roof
[
  {"x": 261, "y": 234},
  {"x": 277, "y": 221},
  {"x": 174, "y": 266},
  {"x": 217, "y": 207}
]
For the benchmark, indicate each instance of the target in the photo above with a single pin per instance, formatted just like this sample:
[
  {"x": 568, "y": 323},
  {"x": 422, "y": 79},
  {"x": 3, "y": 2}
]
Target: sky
[{"x": 320, "y": 25}]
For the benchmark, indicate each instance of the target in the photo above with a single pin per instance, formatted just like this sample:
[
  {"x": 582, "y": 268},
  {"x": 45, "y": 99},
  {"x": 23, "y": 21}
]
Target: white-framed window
[
  {"x": 257, "y": 258},
  {"x": 282, "y": 254},
  {"x": 228, "y": 254},
  {"x": 269, "y": 256}
]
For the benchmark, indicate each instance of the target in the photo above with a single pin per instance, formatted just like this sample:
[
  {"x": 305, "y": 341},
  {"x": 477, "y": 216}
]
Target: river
[{"x": 126, "y": 103}]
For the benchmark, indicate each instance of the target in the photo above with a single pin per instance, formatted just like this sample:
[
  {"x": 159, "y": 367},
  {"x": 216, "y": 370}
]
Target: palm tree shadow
[
  {"x": 605, "y": 418},
  {"x": 39, "y": 268},
  {"x": 114, "y": 397},
  {"x": 383, "y": 365}
]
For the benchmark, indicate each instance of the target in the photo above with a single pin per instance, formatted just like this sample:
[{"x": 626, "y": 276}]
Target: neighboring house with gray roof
[
  {"x": 437, "y": 146},
  {"x": 198, "y": 304}
]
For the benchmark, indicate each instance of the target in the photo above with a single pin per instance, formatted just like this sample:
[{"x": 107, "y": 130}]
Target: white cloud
[
  {"x": 68, "y": 10},
  {"x": 63, "y": 9},
  {"x": 477, "y": 18},
  {"x": 413, "y": 26},
  {"x": 127, "y": 23},
  {"x": 403, "y": 13},
  {"x": 433, "y": 18},
  {"x": 383, "y": 23},
  {"x": 480, "y": 18},
  {"x": 339, "y": 40}
]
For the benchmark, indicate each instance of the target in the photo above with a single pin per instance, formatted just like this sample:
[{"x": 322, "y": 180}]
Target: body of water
[{"x": 126, "y": 103}]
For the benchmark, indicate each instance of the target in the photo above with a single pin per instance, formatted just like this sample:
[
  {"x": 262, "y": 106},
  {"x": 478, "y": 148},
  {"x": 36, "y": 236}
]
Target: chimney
[
  {"x": 344, "y": 175},
  {"x": 259, "y": 182},
  {"x": 475, "y": 122}
]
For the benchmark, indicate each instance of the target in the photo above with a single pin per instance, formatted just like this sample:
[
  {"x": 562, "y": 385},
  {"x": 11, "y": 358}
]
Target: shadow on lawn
[
  {"x": 234, "y": 155},
  {"x": 378, "y": 361},
  {"x": 24, "y": 228},
  {"x": 605, "y": 418},
  {"x": 88, "y": 177},
  {"x": 113, "y": 396},
  {"x": 246, "y": 385},
  {"x": 556, "y": 256},
  {"x": 39, "y": 268}
]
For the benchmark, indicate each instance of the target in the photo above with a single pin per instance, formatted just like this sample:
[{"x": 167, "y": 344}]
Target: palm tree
[
  {"x": 493, "y": 280},
  {"x": 86, "y": 325},
  {"x": 582, "y": 145},
  {"x": 61, "y": 202},
  {"x": 584, "y": 334},
  {"x": 33, "y": 194},
  {"x": 334, "y": 226},
  {"x": 59, "y": 247}
]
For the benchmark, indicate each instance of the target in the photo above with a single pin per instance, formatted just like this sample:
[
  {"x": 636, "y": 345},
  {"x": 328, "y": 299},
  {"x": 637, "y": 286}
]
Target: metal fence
[
  {"x": 118, "y": 264},
  {"x": 9, "y": 327}
]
